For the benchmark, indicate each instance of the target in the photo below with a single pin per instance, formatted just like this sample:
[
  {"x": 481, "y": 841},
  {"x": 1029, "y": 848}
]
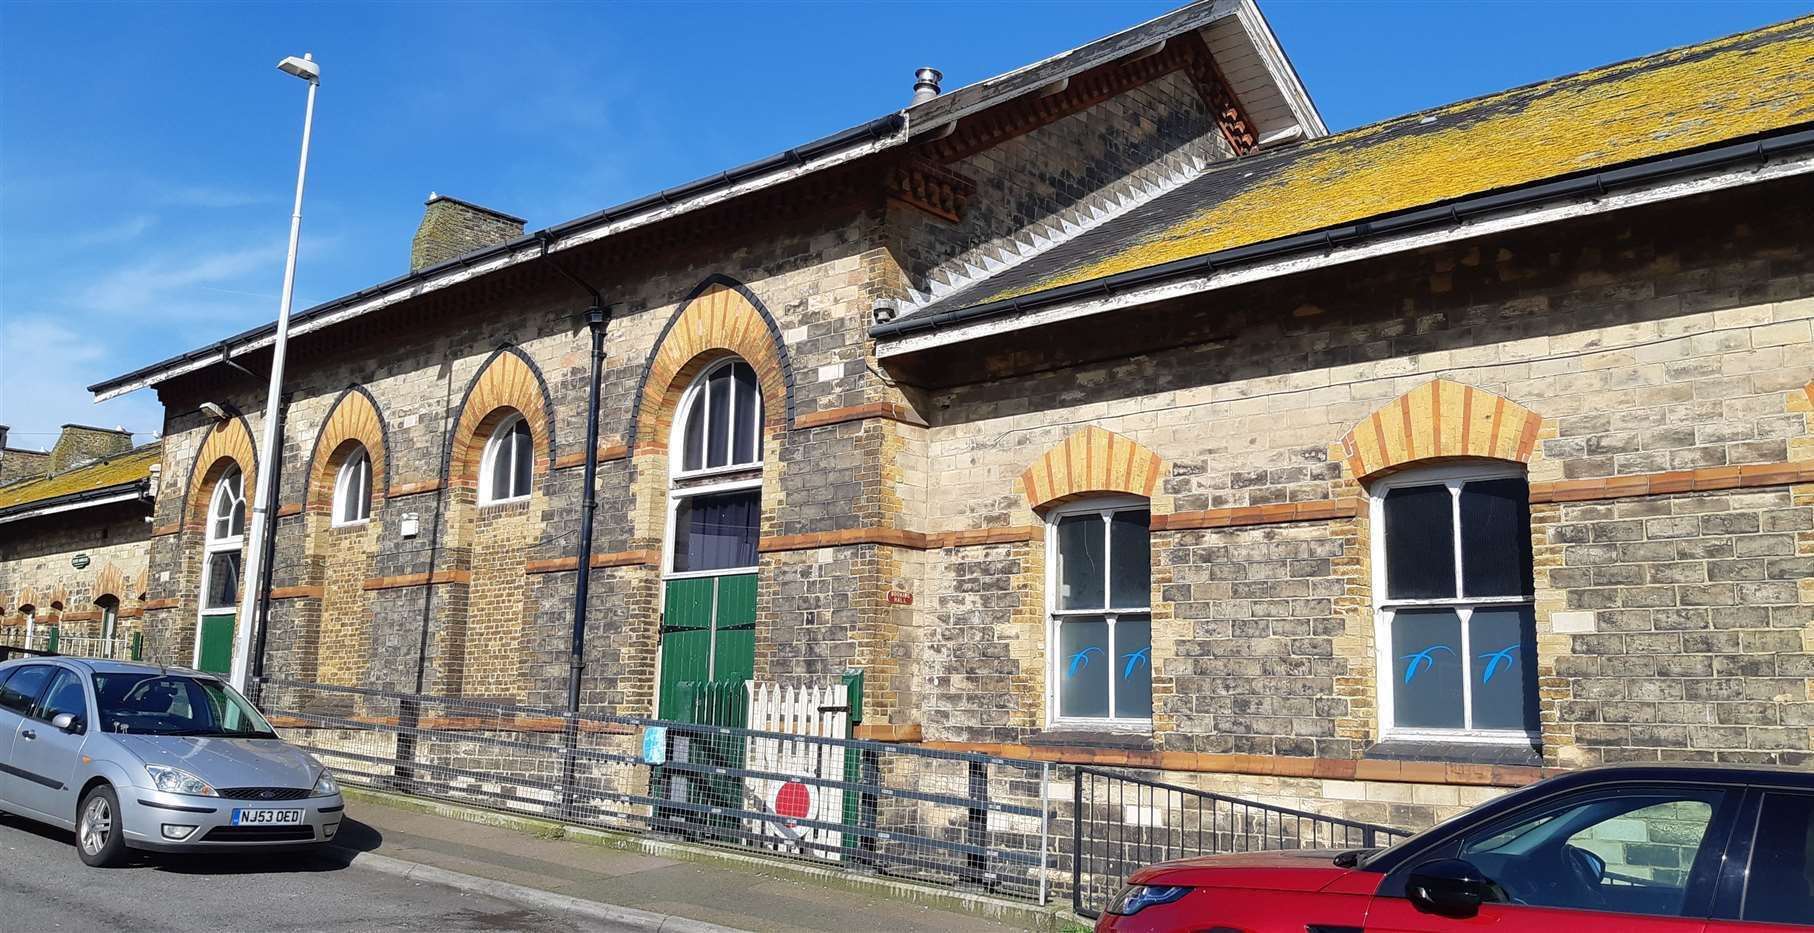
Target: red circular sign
[{"x": 793, "y": 800}]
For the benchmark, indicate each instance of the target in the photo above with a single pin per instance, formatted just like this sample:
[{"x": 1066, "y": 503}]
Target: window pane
[
  {"x": 1420, "y": 545},
  {"x": 223, "y": 581},
  {"x": 1645, "y": 846},
  {"x": 1781, "y": 885},
  {"x": 1131, "y": 560},
  {"x": 500, "y": 469},
  {"x": 1080, "y": 542},
  {"x": 64, "y": 696},
  {"x": 718, "y": 401},
  {"x": 522, "y": 458},
  {"x": 717, "y": 532},
  {"x": 693, "y": 456},
  {"x": 744, "y": 450},
  {"x": 1133, "y": 671},
  {"x": 22, "y": 688},
  {"x": 238, "y": 525},
  {"x": 1084, "y": 667},
  {"x": 1503, "y": 642},
  {"x": 364, "y": 499},
  {"x": 1496, "y": 538},
  {"x": 1426, "y": 669}
]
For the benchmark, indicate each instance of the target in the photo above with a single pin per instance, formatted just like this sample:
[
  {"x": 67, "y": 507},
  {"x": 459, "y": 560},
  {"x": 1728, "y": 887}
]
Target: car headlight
[
  {"x": 177, "y": 781},
  {"x": 326, "y": 786},
  {"x": 1138, "y": 897}
]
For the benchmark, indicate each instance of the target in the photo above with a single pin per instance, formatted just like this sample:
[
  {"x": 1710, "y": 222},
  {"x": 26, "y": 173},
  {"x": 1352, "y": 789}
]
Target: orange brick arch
[
  {"x": 1091, "y": 460},
  {"x": 1441, "y": 420},
  {"x": 354, "y": 417},
  {"x": 229, "y": 443},
  {"x": 509, "y": 380},
  {"x": 720, "y": 318}
]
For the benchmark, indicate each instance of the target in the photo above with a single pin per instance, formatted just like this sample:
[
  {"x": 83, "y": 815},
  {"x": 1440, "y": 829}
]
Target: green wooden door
[
  {"x": 708, "y": 632},
  {"x": 215, "y": 655}
]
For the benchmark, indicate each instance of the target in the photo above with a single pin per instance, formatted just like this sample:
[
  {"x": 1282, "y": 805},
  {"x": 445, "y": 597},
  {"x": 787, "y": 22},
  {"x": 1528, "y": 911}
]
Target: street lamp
[{"x": 306, "y": 69}]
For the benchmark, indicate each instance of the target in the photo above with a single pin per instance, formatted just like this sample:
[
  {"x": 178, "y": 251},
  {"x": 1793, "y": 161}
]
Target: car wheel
[{"x": 100, "y": 839}]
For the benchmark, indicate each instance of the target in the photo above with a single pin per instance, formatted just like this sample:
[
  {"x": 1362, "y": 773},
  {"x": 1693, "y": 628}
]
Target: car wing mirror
[
  {"x": 1451, "y": 887},
  {"x": 68, "y": 722}
]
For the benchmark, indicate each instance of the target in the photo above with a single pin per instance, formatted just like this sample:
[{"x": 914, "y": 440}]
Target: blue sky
[{"x": 147, "y": 150}]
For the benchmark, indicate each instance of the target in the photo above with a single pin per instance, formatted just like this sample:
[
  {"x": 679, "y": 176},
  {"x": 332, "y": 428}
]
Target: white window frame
[
  {"x": 110, "y": 615},
  {"x": 1384, "y": 609},
  {"x": 677, "y": 441},
  {"x": 218, "y": 544},
  {"x": 1106, "y": 506},
  {"x": 488, "y": 464},
  {"x": 347, "y": 489}
]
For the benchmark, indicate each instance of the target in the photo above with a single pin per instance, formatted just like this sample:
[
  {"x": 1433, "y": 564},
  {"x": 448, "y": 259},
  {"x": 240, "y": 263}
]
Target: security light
[{"x": 304, "y": 67}]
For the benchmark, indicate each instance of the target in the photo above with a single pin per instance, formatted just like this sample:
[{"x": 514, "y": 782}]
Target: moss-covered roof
[
  {"x": 1682, "y": 99},
  {"x": 133, "y": 465}
]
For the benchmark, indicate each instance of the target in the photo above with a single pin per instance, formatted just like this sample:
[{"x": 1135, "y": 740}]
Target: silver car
[{"x": 147, "y": 757}]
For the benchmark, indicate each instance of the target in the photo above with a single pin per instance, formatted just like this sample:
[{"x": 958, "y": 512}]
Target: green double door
[
  {"x": 708, "y": 633},
  {"x": 214, "y": 649}
]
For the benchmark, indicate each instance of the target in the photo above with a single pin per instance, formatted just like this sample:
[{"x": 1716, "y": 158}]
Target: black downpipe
[
  {"x": 261, "y": 618},
  {"x": 598, "y": 319}
]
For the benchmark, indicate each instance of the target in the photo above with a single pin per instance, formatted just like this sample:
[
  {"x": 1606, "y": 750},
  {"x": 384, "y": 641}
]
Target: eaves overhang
[
  {"x": 1761, "y": 158},
  {"x": 86, "y": 499},
  {"x": 933, "y": 117}
]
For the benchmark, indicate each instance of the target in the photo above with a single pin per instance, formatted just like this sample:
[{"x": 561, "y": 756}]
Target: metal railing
[
  {"x": 1122, "y": 823},
  {"x": 49, "y": 640},
  {"x": 965, "y": 820}
]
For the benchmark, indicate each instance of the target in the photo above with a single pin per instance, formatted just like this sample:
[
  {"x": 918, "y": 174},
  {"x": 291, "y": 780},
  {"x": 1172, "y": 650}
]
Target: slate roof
[
  {"x": 1653, "y": 106},
  {"x": 129, "y": 467}
]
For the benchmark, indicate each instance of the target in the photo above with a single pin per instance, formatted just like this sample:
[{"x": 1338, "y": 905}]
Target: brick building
[
  {"x": 1109, "y": 410},
  {"x": 74, "y": 540}
]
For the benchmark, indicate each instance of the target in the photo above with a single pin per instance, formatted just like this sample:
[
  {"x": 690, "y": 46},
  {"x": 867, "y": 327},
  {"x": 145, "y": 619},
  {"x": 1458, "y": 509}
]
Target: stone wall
[
  {"x": 1645, "y": 344},
  {"x": 37, "y": 569}
]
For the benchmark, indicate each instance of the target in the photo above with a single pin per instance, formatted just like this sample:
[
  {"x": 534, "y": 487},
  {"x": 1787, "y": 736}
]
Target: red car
[{"x": 1664, "y": 848}]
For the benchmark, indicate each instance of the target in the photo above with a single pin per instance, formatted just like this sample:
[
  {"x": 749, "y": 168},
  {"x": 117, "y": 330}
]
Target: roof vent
[
  {"x": 925, "y": 84},
  {"x": 452, "y": 227}
]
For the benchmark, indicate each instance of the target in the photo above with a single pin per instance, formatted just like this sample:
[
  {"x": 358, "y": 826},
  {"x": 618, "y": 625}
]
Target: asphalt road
[{"x": 44, "y": 887}]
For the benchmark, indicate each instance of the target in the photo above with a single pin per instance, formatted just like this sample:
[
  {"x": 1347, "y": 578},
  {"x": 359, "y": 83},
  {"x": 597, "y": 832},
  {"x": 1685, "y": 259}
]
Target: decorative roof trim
[{"x": 1721, "y": 168}]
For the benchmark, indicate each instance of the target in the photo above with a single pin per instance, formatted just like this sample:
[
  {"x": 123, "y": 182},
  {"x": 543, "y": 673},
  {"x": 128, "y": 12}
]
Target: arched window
[
  {"x": 109, "y": 605},
  {"x": 1452, "y": 589},
  {"x": 721, "y": 421},
  {"x": 353, "y": 489},
  {"x": 509, "y": 456},
  {"x": 1100, "y": 665},
  {"x": 227, "y": 513}
]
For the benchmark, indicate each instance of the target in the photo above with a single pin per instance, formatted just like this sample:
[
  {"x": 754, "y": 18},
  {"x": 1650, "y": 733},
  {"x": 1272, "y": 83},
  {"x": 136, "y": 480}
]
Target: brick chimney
[
  {"x": 452, "y": 227},
  {"x": 20, "y": 464},
  {"x": 79, "y": 444}
]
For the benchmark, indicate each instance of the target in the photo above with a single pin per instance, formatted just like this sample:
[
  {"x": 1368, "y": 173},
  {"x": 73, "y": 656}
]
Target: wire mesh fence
[
  {"x": 1122, "y": 822},
  {"x": 786, "y": 788}
]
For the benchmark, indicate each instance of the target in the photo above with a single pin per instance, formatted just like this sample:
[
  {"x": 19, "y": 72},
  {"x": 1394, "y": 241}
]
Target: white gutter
[
  {"x": 69, "y": 507},
  {"x": 1672, "y": 189}
]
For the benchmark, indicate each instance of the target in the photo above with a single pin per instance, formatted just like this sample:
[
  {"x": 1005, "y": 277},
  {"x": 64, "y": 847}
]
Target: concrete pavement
[
  {"x": 396, "y": 867},
  {"x": 44, "y": 887}
]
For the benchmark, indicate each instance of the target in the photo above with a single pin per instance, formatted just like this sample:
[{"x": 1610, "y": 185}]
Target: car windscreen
[{"x": 175, "y": 704}]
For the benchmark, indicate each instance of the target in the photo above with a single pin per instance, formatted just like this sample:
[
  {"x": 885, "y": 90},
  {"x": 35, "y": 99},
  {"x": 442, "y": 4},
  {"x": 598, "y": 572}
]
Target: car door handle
[{"x": 27, "y": 733}]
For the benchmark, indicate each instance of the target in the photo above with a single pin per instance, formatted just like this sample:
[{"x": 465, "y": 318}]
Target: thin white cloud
[
  {"x": 212, "y": 196},
  {"x": 36, "y": 400},
  {"x": 168, "y": 284},
  {"x": 126, "y": 230}
]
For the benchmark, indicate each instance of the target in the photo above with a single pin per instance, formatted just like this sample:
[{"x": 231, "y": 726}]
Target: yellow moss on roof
[
  {"x": 129, "y": 466},
  {"x": 1689, "y": 97}
]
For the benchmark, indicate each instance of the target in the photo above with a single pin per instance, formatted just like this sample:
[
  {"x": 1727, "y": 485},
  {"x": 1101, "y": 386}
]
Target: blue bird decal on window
[
  {"x": 1135, "y": 659},
  {"x": 1422, "y": 660},
  {"x": 1081, "y": 660},
  {"x": 1494, "y": 659}
]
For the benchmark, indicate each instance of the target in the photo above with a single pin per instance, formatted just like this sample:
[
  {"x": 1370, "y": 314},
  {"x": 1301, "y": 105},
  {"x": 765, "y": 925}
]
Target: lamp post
[{"x": 306, "y": 69}]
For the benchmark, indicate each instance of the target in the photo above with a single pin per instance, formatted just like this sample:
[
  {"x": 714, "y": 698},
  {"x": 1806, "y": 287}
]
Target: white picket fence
[{"x": 806, "y": 711}]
